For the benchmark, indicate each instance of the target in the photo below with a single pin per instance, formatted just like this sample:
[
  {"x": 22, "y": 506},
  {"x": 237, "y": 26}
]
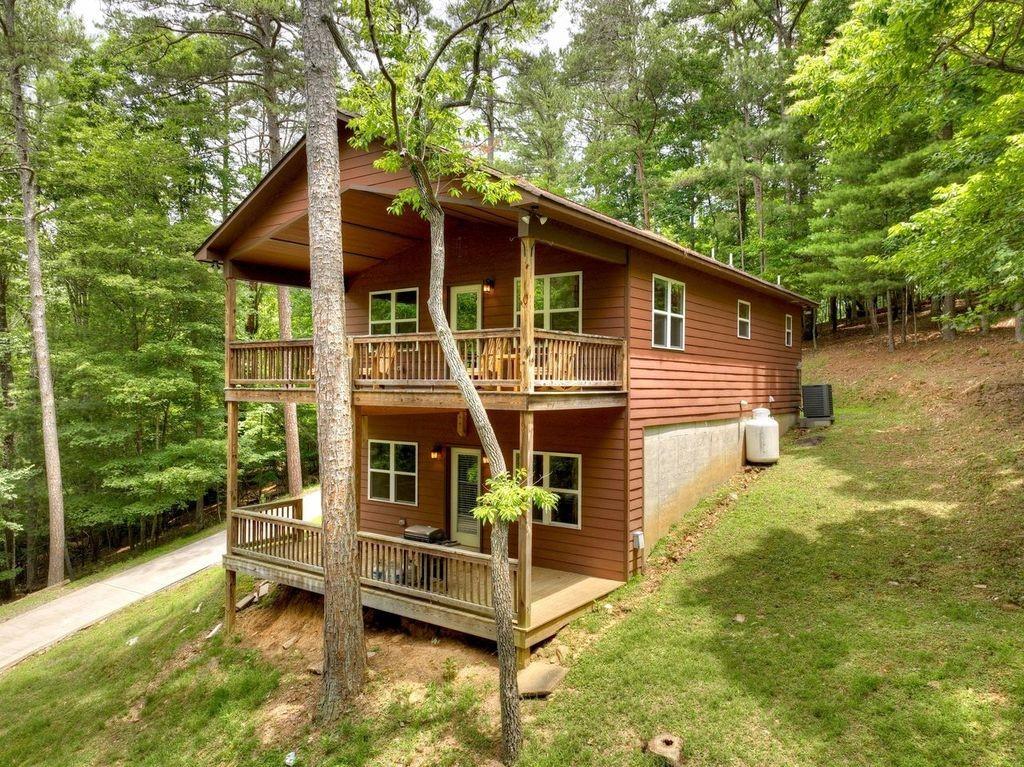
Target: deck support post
[
  {"x": 527, "y": 253},
  {"x": 231, "y": 478},
  {"x": 527, "y": 270},
  {"x": 525, "y": 573},
  {"x": 230, "y": 597}
]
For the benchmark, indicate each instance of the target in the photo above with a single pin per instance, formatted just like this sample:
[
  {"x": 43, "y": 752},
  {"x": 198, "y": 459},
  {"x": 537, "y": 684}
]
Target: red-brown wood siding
[
  {"x": 597, "y": 548},
  {"x": 479, "y": 251},
  {"x": 707, "y": 380}
]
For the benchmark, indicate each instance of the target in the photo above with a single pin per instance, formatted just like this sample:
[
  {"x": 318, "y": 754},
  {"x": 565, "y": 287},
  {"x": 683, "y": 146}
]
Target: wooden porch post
[
  {"x": 231, "y": 489},
  {"x": 524, "y": 583}
]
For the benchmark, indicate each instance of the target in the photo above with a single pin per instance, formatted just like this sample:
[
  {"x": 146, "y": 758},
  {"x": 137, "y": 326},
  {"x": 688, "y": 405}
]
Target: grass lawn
[
  {"x": 878, "y": 576},
  {"x": 858, "y": 604}
]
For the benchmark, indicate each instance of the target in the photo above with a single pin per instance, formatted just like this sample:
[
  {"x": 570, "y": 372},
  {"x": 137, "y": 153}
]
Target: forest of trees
[{"x": 869, "y": 155}]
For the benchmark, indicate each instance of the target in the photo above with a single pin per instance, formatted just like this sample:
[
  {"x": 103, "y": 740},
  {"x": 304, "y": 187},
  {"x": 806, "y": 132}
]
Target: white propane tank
[{"x": 762, "y": 437}]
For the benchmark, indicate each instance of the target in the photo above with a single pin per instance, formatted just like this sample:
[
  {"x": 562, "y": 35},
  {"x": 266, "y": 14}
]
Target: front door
[
  {"x": 466, "y": 313},
  {"x": 465, "y": 487}
]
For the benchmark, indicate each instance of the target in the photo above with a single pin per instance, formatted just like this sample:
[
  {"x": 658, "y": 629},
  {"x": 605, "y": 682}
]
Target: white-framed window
[
  {"x": 743, "y": 319},
  {"x": 789, "y": 330},
  {"x": 394, "y": 312},
  {"x": 393, "y": 469},
  {"x": 557, "y": 301},
  {"x": 562, "y": 474},
  {"x": 668, "y": 313}
]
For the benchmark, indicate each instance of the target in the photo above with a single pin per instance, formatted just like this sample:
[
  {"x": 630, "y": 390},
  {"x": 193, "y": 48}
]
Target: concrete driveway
[{"x": 42, "y": 626}]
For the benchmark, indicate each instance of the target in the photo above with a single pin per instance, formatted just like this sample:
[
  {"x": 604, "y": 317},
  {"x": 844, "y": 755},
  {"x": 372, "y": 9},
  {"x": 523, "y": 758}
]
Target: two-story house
[{"x": 646, "y": 359}]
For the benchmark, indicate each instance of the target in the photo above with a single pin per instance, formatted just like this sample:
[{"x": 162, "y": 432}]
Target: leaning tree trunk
[
  {"x": 344, "y": 653},
  {"x": 37, "y": 311},
  {"x": 501, "y": 578}
]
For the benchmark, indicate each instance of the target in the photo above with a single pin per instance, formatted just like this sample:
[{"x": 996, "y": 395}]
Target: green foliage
[{"x": 508, "y": 497}]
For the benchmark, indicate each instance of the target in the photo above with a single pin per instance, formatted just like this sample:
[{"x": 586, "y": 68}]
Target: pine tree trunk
[
  {"x": 1018, "y": 322},
  {"x": 833, "y": 313},
  {"x": 37, "y": 311},
  {"x": 293, "y": 456},
  {"x": 501, "y": 580},
  {"x": 890, "y": 341},
  {"x": 983, "y": 324},
  {"x": 948, "y": 313},
  {"x": 344, "y": 651},
  {"x": 759, "y": 209}
]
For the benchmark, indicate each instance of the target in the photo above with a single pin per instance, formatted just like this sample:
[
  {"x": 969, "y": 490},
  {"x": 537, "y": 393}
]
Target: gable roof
[{"x": 534, "y": 198}]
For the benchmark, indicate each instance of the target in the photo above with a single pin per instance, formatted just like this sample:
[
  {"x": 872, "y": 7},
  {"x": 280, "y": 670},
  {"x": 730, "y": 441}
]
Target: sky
[{"x": 91, "y": 12}]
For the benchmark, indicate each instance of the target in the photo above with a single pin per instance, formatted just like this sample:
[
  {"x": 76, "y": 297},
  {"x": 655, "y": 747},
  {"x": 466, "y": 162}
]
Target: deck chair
[
  {"x": 493, "y": 361},
  {"x": 379, "y": 362}
]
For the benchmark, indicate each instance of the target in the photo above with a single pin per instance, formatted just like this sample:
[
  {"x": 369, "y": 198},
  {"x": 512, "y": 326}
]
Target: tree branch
[{"x": 342, "y": 46}]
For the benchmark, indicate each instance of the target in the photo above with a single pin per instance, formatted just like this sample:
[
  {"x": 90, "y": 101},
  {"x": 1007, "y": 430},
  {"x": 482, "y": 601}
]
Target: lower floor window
[
  {"x": 392, "y": 471},
  {"x": 560, "y": 473}
]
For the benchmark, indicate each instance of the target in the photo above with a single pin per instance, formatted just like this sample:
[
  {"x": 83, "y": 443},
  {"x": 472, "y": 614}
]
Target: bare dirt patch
[{"x": 403, "y": 658}]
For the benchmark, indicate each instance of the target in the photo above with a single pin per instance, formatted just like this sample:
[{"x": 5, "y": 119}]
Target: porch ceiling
[{"x": 370, "y": 234}]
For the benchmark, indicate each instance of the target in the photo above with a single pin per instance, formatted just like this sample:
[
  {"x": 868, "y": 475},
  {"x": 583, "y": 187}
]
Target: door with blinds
[{"x": 465, "y": 487}]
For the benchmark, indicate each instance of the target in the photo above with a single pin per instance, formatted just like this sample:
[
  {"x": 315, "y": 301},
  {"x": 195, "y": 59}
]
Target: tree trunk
[
  {"x": 7, "y": 402},
  {"x": 641, "y": 182},
  {"x": 293, "y": 456},
  {"x": 833, "y": 313},
  {"x": 344, "y": 651},
  {"x": 906, "y": 312},
  {"x": 948, "y": 313},
  {"x": 1018, "y": 322},
  {"x": 871, "y": 311},
  {"x": 501, "y": 580},
  {"x": 759, "y": 209},
  {"x": 983, "y": 324},
  {"x": 37, "y": 313},
  {"x": 890, "y": 341}
]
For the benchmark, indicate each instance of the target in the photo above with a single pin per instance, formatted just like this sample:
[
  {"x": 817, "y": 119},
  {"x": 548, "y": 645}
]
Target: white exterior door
[{"x": 465, "y": 487}]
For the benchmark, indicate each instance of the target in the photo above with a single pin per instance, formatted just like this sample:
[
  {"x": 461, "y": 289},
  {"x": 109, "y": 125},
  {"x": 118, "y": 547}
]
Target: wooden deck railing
[
  {"x": 562, "y": 361},
  {"x": 437, "y": 574},
  {"x": 271, "y": 364}
]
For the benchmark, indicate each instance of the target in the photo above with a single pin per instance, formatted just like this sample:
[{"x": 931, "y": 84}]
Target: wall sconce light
[
  {"x": 436, "y": 451},
  {"x": 485, "y": 460},
  {"x": 489, "y": 285}
]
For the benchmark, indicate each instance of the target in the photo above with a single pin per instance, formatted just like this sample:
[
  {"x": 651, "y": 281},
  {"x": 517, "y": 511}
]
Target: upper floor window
[
  {"x": 668, "y": 323},
  {"x": 557, "y": 302},
  {"x": 743, "y": 319},
  {"x": 561, "y": 474},
  {"x": 392, "y": 467},
  {"x": 394, "y": 311},
  {"x": 789, "y": 330}
]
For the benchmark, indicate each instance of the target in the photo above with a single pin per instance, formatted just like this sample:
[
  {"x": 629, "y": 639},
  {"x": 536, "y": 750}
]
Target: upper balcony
[{"x": 570, "y": 370}]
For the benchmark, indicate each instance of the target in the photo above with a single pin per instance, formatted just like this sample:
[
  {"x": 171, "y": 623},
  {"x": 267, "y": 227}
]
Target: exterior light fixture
[
  {"x": 436, "y": 451},
  {"x": 489, "y": 285},
  {"x": 485, "y": 460}
]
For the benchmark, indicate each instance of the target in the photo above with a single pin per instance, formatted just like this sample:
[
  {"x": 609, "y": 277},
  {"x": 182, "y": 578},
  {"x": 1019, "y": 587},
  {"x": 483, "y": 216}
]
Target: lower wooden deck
[{"x": 558, "y": 598}]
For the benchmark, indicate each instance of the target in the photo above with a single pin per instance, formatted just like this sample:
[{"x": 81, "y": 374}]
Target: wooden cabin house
[{"x": 646, "y": 359}]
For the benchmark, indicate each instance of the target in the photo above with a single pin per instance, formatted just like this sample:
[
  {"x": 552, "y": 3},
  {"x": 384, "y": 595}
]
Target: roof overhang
[{"x": 557, "y": 221}]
